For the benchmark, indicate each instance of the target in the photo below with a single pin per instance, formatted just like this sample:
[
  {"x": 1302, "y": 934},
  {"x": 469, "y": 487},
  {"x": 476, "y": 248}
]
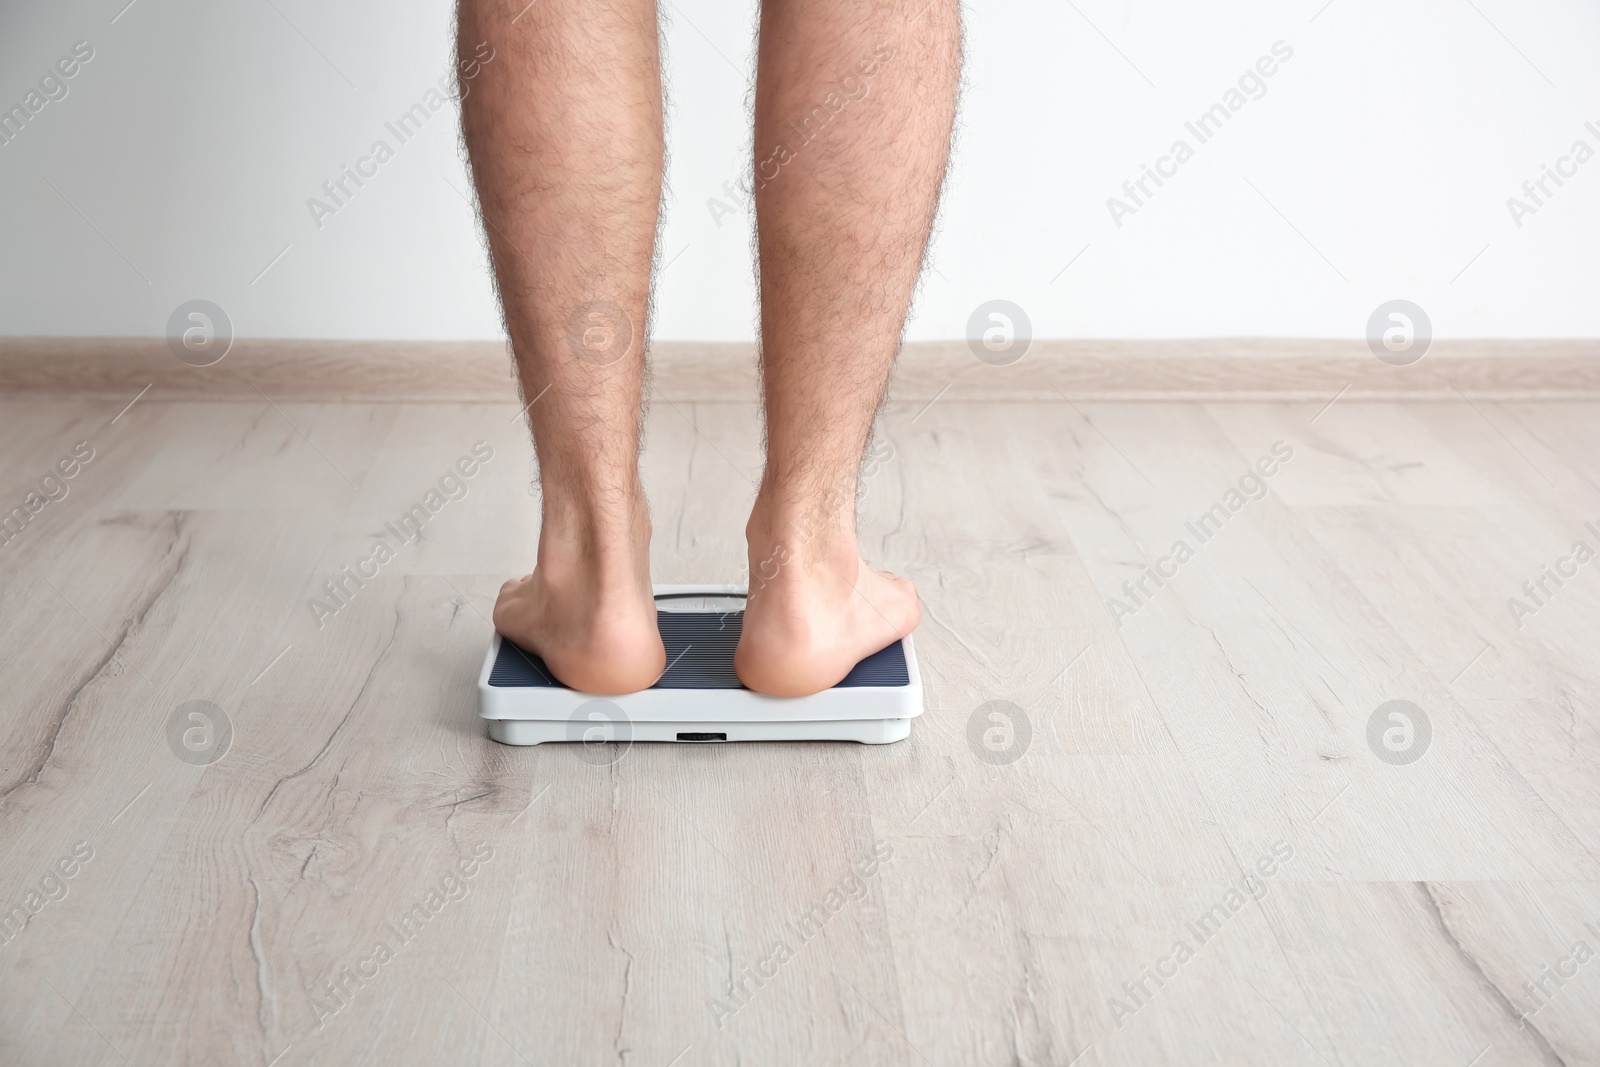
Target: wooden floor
[{"x": 1183, "y": 844}]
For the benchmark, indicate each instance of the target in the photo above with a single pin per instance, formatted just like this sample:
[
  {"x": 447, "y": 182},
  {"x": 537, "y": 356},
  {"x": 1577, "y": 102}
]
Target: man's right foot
[{"x": 821, "y": 613}]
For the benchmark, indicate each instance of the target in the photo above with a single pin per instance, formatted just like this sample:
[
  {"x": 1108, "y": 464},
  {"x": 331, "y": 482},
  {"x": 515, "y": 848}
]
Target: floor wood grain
[{"x": 1141, "y": 822}]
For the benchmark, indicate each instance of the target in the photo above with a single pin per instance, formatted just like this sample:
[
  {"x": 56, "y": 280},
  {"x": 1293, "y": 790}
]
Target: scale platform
[{"x": 698, "y": 697}]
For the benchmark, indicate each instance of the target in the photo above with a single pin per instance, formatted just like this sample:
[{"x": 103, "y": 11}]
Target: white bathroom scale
[{"x": 698, "y": 697}]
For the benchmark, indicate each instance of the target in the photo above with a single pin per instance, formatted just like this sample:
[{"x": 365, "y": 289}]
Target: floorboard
[{"x": 1141, "y": 822}]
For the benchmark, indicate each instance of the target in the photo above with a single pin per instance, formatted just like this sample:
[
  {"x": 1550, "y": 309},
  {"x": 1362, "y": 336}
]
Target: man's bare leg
[
  {"x": 842, "y": 221},
  {"x": 563, "y": 127}
]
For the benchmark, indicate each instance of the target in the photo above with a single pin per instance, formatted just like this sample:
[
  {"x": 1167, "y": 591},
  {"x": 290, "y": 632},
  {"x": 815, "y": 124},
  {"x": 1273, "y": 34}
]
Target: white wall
[{"x": 1389, "y": 143}]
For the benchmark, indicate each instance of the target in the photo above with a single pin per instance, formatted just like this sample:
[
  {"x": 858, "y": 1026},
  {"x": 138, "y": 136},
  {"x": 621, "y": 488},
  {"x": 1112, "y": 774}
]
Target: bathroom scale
[{"x": 698, "y": 698}]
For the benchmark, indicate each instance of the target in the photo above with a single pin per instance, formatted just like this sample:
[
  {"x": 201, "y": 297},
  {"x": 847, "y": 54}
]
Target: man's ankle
[
  {"x": 604, "y": 542},
  {"x": 802, "y": 544}
]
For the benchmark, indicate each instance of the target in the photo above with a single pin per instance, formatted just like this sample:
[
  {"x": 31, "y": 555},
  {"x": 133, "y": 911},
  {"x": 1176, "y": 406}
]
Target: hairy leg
[
  {"x": 563, "y": 129},
  {"x": 855, "y": 102}
]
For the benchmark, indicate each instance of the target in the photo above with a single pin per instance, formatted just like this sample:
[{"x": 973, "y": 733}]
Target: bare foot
[
  {"x": 820, "y": 614},
  {"x": 587, "y": 610}
]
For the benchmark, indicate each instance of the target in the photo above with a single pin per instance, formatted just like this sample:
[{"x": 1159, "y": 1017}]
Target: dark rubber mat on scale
[{"x": 699, "y": 656}]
